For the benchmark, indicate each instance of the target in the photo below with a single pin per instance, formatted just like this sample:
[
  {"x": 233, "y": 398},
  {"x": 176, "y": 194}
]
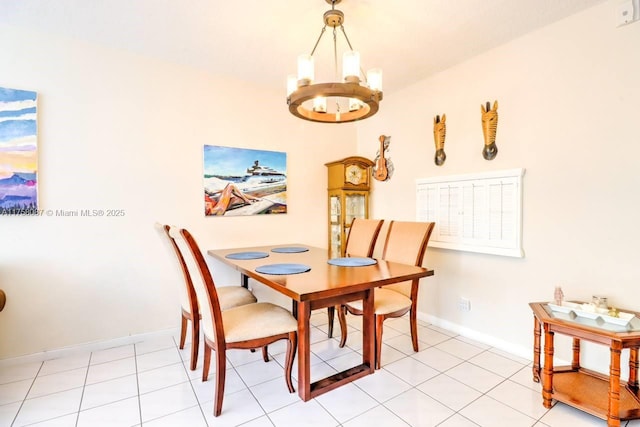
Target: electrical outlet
[{"x": 464, "y": 304}]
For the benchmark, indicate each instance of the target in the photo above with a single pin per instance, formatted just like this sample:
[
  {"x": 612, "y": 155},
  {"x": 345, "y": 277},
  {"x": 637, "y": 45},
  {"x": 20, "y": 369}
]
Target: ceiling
[{"x": 259, "y": 40}]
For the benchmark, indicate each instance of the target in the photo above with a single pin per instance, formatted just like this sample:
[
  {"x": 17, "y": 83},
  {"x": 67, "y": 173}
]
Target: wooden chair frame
[
  {"x": 372, "y": 244},
  {"x": 380, "y": 318},
  {"x": 218, "y": 342},
  {"x": 194, "y": 314}
]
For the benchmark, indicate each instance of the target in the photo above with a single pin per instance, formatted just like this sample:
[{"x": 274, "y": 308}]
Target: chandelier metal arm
[
  {"x": 335, "y": 52},
  {"x": 318, "y": 41},
  {"x": 345, "y": 37}
]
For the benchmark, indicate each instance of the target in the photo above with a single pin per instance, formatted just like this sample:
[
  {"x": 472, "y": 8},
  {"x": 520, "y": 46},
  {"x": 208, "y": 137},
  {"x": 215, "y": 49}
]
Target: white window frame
[{"x": 479, "y": 212}]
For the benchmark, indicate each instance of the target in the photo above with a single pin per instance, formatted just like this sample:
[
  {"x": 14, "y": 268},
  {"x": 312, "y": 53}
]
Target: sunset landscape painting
[{"x": 18, "y": 152}]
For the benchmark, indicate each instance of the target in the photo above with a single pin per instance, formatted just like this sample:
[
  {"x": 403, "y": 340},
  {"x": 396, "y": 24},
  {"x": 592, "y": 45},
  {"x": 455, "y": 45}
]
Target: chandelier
[{"x": 347, "y": 101}]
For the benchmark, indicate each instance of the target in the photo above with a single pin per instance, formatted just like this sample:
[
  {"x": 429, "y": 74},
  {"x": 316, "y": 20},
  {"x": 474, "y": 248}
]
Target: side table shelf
[{"x": 593, "y": 397}]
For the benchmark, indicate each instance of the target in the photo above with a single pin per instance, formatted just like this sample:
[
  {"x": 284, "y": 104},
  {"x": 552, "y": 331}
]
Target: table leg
[
  {"x": 547, "y": 372},
  {"x": 613, "y": 416},
  {"x": 575, "y": 363},
  {"x": 633, "y": 368},
  {"x": 368, "y": 331},
  {"x": 536, "y": 349},
  {"x": 304, "y": 351},
  {"x": 245, "y": 280}
]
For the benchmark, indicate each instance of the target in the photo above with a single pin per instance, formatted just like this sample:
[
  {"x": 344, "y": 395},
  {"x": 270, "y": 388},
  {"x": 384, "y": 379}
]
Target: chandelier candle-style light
[{"x": 339, "y": 102}]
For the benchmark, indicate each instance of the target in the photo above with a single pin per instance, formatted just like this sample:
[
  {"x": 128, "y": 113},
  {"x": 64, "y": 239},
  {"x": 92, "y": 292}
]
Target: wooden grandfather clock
[{"x": 349, "y": 188}]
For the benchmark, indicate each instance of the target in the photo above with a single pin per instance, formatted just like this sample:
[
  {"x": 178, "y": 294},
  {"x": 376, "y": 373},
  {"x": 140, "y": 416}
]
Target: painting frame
[
  {"x": 244, "y": 181},
  {"x": 18, "y": 152}
]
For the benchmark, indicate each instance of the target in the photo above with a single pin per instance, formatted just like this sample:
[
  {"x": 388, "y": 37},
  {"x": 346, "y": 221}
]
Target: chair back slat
[
  {"x": 188, "y": 298},
  {"x": 406, "y": 243},
  {"x": 203, "y": 284},
  {"x": 362, "y": 237}
]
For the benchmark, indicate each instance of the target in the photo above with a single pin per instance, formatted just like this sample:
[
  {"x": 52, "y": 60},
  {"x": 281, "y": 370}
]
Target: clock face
[{"x": 355, "y": 174}]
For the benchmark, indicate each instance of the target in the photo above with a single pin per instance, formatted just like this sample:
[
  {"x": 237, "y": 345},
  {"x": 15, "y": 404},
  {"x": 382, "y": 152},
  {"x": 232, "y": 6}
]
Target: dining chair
[
  {"x": 230, "y": 296},
  {"x": 406, "y": 243},
  {"x": 248, "y": 327},
  {"x": 361, "y": 242}
]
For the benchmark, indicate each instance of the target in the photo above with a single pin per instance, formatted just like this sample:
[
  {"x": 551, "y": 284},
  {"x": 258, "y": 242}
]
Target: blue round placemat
[
  {"x": 247, "y": 255},
  {"x": 283, "y": 268},
  {"x": 352, "y": 261},
  {"x": 290, "y": 249}
]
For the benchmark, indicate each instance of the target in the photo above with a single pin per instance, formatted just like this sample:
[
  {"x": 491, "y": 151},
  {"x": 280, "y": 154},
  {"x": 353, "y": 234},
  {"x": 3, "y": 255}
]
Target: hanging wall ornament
[
  {"x": 439, "y": 134},
  {"x": 383, "y": 167},
  {"x": 489, "y": 128}
]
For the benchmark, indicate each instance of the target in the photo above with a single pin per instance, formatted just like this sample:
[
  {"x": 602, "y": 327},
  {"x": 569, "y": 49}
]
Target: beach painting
[
  {"x": 18, "y": 152},
  {"x": 240, "y": 181}
]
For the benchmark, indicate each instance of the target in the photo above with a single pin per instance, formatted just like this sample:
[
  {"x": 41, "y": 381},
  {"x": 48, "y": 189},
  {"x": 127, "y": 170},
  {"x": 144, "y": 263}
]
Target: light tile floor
[{"x": 451, "y": 382}]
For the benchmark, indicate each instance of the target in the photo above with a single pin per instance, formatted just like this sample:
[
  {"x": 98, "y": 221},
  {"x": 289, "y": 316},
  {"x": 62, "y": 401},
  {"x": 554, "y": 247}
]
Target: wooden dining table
[{"x": 324, "y": 285}]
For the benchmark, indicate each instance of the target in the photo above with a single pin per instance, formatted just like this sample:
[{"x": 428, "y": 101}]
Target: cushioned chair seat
[
  {"x": 254, "y": 321},
  {"x": 385, "y": 301},
  {"x": 234, "y": 296}
]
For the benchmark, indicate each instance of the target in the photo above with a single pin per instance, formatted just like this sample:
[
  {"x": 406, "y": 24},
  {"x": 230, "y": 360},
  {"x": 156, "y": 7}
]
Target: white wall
[
  {"x": 119, "y": 131},
  {"x": 125, "y": 132},
  {"x": 569, "y": 112}
]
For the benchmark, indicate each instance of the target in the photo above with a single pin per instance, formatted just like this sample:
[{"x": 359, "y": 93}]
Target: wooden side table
[{"x": 600, "y": 395}]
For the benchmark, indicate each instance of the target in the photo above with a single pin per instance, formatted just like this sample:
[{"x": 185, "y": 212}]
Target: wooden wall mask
[
  {"x": 489, "y": 128},
  {"x": 439, "y": 134}
]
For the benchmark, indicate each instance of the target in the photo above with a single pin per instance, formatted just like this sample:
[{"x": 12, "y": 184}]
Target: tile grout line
[
  {"x": 135, "y": 360},
  {"x": 379, "y": 403},
  {"x": 463, "y": 360},
  {"x": 517, "y": 378},
  {"x": 27, "y": 394},
  {"x": 249, "y": 389},
  {"x": 184, "y": 365},
  {"x": 84, "y": 385},
  {"x": 502, "y": 382}
]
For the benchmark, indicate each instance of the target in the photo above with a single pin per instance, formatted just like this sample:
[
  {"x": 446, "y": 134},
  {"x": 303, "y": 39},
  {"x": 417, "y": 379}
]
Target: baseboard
[
  {"x": 84, "y": 348},
  {"x": 500, "y": 344},
  {"x": 489, "y": 340}
]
